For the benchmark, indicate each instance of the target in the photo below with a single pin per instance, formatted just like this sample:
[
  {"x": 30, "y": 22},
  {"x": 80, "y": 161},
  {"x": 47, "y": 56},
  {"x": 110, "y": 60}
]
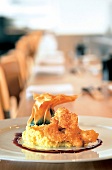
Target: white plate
[{"x": 9, "y": 151}]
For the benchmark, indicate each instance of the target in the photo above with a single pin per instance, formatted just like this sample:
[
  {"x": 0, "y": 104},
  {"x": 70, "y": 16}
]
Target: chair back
[
  {"x": 4, "y": 95},
  {"x": 13, "y": 76},
  {"x": 21, "y": 59},
  {"x": 1, "y": 109}
]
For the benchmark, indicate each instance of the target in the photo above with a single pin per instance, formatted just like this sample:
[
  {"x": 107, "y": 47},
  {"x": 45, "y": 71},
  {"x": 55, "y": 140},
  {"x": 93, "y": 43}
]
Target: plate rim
[{"x": 21, "y": 121}]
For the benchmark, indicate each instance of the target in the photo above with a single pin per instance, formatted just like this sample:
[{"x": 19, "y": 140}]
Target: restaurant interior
[{"x": 58, "y": 47}]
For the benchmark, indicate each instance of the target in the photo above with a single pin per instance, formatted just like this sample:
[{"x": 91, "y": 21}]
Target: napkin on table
[
  {"x": 49, "y": 69},
  {"x": 51, "y": 88},
  {"x": 56, "y": 57}
]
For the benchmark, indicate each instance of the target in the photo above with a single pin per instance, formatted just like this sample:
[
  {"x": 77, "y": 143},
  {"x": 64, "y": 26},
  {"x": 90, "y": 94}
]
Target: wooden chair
[
  {"x": 8, "y": 105},
  {"x": 25, "y": 63},
  {"x": 1, "y": 109},
  {"x": 21, "y": 59},
  {"x": 12, "y": 73},
  {"x": 28, "y": 46},
  {"x": 22, "y": 45},
  {"x": 33, "y": 40},
  {"x": 29, "y": 43}
]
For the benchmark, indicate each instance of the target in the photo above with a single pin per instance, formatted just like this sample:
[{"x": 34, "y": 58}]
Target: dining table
[{"x": 86, "y": 105}]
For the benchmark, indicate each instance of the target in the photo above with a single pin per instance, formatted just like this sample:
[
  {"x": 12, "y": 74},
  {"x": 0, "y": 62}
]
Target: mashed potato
[{"x": 34, "y": 139}]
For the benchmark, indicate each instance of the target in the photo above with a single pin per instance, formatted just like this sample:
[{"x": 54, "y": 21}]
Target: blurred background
[
  {"x": 79, "y": 31},
  {"x": 75, "y": 22}
]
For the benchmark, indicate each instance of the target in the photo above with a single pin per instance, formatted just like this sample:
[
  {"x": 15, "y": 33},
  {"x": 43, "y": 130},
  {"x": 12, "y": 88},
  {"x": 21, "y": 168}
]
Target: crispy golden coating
[{"x": 64, "y": 127}]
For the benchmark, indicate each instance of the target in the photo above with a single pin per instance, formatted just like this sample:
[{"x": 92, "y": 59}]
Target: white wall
[
  {"x": 63, "y": 16},
  {"x": 83, "y": 16}
]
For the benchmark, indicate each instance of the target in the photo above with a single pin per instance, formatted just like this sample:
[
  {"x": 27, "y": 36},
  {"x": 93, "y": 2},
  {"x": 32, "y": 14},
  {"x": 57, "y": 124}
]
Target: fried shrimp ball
[
  {"x": 52, "y": 132},
  {"x": 74, "y": 136},
  {"x": 89, "y": 136},
  {"x": 65, "y": 118},
  {"x": 64, "y": 127}
]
